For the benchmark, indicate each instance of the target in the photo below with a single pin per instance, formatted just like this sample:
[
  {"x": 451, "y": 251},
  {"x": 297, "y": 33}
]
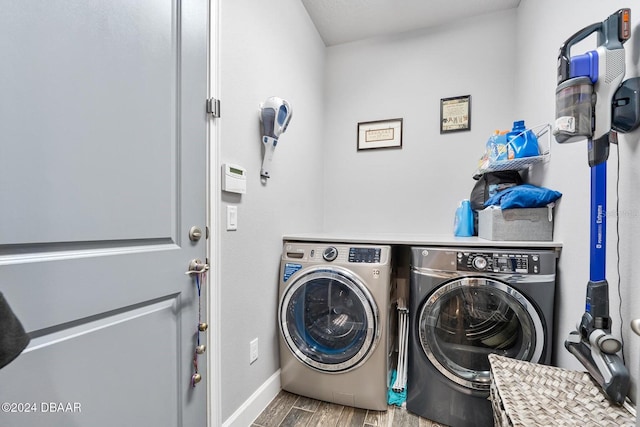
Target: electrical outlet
[{"x": 253, "y": 351}]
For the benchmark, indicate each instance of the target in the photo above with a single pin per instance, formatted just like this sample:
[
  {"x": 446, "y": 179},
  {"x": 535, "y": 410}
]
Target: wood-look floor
[{"x": 290, "y": 410}]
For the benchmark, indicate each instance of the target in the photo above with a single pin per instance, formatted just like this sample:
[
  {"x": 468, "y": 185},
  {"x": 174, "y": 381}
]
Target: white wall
[
  {"x": 266, "y": 49},
  {"x": 415, "y": 189},
  {"x": 542, "y": 26}
]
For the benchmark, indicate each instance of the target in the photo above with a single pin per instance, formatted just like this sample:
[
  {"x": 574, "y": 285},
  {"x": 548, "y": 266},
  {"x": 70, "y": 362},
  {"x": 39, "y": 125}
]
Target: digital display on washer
[{"x": 368, "y": 255}]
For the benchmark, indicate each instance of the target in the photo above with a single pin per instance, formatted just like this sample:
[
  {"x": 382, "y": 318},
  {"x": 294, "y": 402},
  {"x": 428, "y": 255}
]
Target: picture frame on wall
[
  {"x": 455, "y": 114},
  {"x": 380, "y": 134}
]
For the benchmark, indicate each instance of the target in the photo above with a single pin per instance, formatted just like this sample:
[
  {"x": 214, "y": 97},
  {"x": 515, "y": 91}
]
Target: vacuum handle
[
  {"x": 564, "y": 60},
  {"x": 269, "y": 147}
]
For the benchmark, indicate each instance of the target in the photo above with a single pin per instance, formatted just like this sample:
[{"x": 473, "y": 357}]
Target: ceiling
[{"x": 343, "y": 21}]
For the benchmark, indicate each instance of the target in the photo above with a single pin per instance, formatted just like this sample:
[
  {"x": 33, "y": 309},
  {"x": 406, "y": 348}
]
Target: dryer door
[
  {"x": 329, "y": 319},
  {"x": 465, "y": 320}
]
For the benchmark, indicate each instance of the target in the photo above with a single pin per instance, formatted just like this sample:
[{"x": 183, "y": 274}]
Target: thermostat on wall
[{"x": 234, "y": 178}]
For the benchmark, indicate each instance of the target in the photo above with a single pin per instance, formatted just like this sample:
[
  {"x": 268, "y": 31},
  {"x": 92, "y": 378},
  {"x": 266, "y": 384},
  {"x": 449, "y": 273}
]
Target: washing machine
[
  {"x": 333, "y": 316},
  {"x": 466, "y": 303}
]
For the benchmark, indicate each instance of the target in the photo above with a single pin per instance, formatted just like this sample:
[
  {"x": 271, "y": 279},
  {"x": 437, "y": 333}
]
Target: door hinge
[{"x": 213, "y": 107}]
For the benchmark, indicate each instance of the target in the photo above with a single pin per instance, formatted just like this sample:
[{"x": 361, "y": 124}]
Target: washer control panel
[
  {"x": 341, "y": 254},
  {"x": 498, "y": 262},
  {"x": 368, "y": 255}
]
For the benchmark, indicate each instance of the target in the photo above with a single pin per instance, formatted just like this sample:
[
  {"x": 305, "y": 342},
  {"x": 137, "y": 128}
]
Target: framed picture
[
  {"x": 380, "y": 134},
  {"x": 455, "y": 114}
]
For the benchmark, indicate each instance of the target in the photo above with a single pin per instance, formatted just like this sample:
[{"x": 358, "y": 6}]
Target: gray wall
[
  {"x": 542, "y": 26},
  {"x": 506, "y": 61},
  {"x": 415, "y": 189},
  {"x": 266, "y": 49}
]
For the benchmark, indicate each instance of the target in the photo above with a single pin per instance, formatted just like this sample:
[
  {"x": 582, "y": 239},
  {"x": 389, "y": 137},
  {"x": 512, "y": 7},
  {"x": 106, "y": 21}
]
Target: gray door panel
[
  {"x": 95, "y": 107},
  {"x": 96, "y": 382},
  {"x": 104, "y": 124},
  {"x": 102, "y": 173},
  {"x": 64, "y": 294}
]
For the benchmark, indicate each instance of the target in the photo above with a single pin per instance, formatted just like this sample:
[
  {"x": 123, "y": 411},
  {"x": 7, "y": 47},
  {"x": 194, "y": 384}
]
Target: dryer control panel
[{"x": 498, "y": 262}]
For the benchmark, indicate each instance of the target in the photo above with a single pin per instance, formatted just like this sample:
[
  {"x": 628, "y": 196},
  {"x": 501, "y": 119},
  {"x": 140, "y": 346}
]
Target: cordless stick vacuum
[{"x": 586, "y": 97}]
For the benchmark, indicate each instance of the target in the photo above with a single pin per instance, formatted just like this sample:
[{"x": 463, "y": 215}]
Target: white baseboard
[{"x": 256, "y": 403}]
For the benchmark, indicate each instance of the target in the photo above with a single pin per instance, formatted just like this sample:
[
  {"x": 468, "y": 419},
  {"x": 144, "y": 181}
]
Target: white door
[{"x": 102, "y": 175}]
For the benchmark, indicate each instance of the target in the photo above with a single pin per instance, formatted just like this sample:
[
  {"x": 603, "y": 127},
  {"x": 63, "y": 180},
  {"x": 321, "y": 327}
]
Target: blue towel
[
  {"x": 523, "y": 196},
  {"x": 395, "y": 397}
]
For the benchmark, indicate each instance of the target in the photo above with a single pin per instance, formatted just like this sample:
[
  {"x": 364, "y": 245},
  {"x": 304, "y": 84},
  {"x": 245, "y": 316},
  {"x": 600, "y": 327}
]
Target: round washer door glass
[
  {"x": 465, "y": 320},
  {"x": 329, "y": 319}
]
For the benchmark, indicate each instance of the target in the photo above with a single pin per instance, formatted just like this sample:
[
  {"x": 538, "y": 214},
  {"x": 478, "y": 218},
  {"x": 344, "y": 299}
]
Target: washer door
[
  {"x": 465, "y": 320},
  {"x": 329, "y": 319}
]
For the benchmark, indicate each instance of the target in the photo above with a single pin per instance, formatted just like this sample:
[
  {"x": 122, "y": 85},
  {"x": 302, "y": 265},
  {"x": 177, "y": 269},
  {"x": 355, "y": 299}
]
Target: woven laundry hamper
[{"x": 525, "y": 394}]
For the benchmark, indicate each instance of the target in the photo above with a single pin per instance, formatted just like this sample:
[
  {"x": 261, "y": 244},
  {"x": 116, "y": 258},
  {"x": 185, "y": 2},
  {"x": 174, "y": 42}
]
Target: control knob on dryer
[
  {"x": 480, "y": 263},
  {"x": 330, "y": 253}
]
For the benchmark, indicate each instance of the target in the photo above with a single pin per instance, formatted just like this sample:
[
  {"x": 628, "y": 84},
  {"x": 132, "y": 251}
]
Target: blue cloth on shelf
[
  {"x": 396, "y": 398},
  {"x": 523, "y": 196}
]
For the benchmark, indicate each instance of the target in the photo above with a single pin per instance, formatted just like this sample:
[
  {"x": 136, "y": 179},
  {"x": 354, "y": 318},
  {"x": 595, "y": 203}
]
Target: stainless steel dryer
[
  {"x": 466, "y": 303},
  {"x": 333, "y": 316}
]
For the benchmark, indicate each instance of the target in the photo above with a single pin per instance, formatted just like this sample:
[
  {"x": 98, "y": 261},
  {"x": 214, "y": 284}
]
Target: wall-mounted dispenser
[{"x": 275, "y": 114}]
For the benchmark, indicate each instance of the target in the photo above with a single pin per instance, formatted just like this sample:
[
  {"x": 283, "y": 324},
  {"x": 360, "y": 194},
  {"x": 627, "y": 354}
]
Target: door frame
[{"x": 214, "y": 403}]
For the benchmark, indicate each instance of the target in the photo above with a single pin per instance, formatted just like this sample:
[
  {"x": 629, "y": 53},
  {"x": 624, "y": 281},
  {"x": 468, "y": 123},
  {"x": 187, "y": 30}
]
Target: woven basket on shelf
[{"x": 525, "y": 394}]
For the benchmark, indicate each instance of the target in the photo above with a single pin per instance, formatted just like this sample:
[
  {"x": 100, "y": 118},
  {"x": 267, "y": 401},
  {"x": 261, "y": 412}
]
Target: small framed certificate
[
  {"x": 455, "y": 114},
  {"x": 380, "y": 134}
]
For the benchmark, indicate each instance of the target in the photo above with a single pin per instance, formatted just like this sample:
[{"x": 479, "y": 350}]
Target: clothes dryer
[
  {"x": 466, "y": 303},
  {"x": 333, "y": 315}
]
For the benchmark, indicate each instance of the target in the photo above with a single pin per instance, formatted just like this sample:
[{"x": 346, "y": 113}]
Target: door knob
[{"x": 197, "y": 267}]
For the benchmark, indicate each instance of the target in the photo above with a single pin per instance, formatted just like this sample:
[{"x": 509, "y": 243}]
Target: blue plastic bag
[{"x": 496, "y": 148}]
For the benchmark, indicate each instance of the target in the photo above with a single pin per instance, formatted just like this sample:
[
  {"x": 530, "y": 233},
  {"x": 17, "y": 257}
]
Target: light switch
[{"x": 232, "y": 218}]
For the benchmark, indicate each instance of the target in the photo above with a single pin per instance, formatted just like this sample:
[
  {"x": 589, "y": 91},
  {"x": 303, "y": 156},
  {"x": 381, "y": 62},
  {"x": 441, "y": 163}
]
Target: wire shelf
[{"x": 523, "y": 162}]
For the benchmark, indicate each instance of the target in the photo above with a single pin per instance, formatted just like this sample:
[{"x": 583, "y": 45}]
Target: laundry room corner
[
  {"x": 322, "y": 183},
  {"x": 266, "y": 49},
  {"x": 540, "y": 32}
]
